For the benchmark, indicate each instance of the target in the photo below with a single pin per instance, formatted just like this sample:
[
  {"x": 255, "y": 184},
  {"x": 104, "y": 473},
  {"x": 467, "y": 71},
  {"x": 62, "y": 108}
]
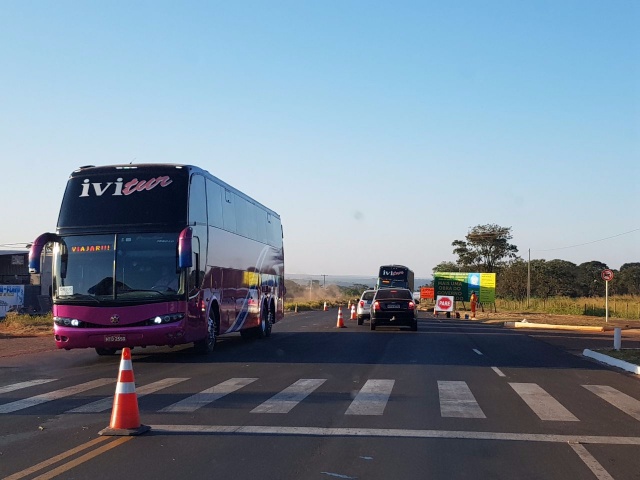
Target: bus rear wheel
[{"x": 266, "y": 322}]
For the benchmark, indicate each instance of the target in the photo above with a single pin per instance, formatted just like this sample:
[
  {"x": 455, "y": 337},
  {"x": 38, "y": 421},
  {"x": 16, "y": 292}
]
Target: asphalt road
[{"x": 454, "y": 400}]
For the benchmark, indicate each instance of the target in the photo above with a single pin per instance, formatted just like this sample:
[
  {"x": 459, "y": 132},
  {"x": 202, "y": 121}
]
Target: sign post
[{"x": 607, "y": 276}]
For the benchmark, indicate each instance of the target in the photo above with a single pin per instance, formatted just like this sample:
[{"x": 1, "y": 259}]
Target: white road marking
[
  {"x": 544, "y": 405},
  {"x": 595, "y": 467},
  {"x": 457, "y": 401},
  {"x": 477, "y": 351},
  {"x": 393, "y": 433},
  {"x": 372, "y": 398},
  {"x": 21, "y": 385},
  {"x": 55, "y": 395},
  {"x": 291, "y": 396},
  {"x": 105, "y": 404},
  {"x": 208, "y": 396},
  {"x": 622, "y": 401},
  {"x": 498, "y": 371}
]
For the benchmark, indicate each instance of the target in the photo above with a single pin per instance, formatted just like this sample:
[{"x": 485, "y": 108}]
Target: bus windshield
[{"x": 124, "y": 267}]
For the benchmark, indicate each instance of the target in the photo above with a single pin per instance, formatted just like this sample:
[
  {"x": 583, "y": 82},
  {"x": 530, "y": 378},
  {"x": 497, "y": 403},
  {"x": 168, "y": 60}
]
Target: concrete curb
[
  {"x": 554, "y": 327},
  {"x": 629, "y": 367}
]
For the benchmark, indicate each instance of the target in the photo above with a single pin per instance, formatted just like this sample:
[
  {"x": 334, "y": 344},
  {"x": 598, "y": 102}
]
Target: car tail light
[
  {"x": 361, "y": 303},
  {"x": 376, "y": 305},
  {"x": 412, "y": 305}
]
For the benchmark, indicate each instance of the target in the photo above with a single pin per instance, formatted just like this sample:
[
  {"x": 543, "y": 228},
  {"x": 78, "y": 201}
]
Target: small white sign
[{"x": 65, "y": 290}]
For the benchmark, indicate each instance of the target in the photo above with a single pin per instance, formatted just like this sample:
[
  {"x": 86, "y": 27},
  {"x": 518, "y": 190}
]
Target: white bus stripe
[
  {"x": 457, "y": 401},
  {"x": 55, "y": 395},
  {"x": 622, "y": 401},
  {"x": 372, "y": 398},
  {"x": 544, "y": 405},
  {"x": 105, "y": 404},
  {"x": 199, "y": 400},
  {"x": 21, "y": 385},
  {"x": 590, "y": 461},
  {"x": 288, "y": 398}
]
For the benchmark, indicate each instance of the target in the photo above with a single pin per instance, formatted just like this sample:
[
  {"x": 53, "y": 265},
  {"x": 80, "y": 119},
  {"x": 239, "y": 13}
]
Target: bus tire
[
  {"x": 106, "y": 351},
  {"x": 266, "y": 322},
  {"x": 208, "y": 344}
]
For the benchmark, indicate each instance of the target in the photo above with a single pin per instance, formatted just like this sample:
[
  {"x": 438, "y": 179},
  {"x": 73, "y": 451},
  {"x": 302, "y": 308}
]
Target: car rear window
[
  {"x": 368, "y": 295},
  {"x": 387, "y": 293}
]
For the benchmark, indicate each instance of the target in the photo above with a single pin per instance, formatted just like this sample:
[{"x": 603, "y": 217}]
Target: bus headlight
[
  {"x": 163, "y": 319},
  {"x": 68, "y": 322}
]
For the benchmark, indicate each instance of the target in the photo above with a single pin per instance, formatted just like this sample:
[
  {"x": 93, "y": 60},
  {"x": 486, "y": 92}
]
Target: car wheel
[
  {"x": 360, "y": 320},
  {"x": 106, "y": 351},
  {"x": 414, "y": 326},
  {"x": 372, "y": 325}
]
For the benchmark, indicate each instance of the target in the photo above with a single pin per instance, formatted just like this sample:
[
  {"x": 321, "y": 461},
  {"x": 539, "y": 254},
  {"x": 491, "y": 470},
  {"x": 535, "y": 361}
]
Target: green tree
[
  {"x": 628, "y": 279},
  {"x": 486, "y": 248},
  {"x": 589, "y": 279},
  {"x": 511, "y": 281},
  {"x": 555, "y": 278},
  {"x": 446, "y": 267}
]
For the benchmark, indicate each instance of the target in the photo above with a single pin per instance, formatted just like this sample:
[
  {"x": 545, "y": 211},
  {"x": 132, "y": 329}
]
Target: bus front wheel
[
  {"x": 106, "y": 351},
  {"x": 208, "y": 344}
]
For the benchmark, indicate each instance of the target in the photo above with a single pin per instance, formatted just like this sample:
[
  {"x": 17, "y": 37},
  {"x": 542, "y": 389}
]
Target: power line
[{"x": 588, "y": 243}]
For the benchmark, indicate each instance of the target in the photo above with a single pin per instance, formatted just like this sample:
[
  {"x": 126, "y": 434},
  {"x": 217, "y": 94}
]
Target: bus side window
[
  {"x": 214, "y": 204},
  {"x": 197, "y": 201},
  {"x": 228, "y": 212}
]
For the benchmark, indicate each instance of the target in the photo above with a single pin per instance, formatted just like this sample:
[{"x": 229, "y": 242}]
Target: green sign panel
[{"x": 461, "y": 284}]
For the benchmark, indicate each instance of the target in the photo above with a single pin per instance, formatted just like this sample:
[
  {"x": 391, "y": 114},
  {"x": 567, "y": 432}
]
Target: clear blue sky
[{"x": 380, "y": 131}]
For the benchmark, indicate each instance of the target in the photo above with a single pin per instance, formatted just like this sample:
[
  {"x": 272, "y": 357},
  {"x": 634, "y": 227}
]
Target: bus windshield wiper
[
  {"x": 133, "y": 290},
  {"x": 79, "y": 296}
]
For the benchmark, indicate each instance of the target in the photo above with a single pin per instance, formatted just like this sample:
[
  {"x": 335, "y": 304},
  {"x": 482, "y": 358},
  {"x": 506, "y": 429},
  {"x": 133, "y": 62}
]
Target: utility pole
[
  {"x": 324, "y": 281},
  {"x": 529, "y": 279}
]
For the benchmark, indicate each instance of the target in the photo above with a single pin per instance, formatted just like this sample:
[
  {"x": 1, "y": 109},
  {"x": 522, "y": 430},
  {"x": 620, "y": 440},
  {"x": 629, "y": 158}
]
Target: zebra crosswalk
[{"x": 455, "y": 398}]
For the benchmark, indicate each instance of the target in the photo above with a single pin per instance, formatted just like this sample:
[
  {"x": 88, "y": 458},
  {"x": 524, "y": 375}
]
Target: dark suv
[{"x": 394, "y": 307}]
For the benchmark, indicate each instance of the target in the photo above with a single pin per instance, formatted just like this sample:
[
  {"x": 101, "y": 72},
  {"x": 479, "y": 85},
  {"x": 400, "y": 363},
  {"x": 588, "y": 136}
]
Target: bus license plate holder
[{"x": 115, "y": 338}]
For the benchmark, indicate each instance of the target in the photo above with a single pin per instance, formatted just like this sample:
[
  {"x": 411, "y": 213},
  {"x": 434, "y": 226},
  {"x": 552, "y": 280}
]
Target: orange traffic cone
[
  {"x": 125, "y": 417},
  {"x": 353, "y": 312},
  {"x": 340, "y": 323},
  {"x": 325, "y": 307}
]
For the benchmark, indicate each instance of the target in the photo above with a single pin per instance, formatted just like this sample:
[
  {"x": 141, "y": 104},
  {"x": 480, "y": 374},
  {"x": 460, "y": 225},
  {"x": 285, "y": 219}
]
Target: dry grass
[{"x": 26, "y": 325}]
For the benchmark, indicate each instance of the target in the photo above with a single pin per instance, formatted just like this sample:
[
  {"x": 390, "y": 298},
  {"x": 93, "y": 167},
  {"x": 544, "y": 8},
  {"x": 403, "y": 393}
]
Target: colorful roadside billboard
[{"x": 461, "y": 284}]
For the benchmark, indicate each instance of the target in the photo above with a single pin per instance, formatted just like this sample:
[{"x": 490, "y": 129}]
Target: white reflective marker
[
  {"x": 457, "y": 401},
  {"x": 622, "y": 401},
  {"x": 55, "y": 395},
  {"x": 20, "y": 385},
  {"x": 291, "y": 396},
  {"x": 372, "y": 398},
  {"x": 544, "y": 405},
  {"x": 210, "y": 395},
  {"x": 105, "y": 404}
]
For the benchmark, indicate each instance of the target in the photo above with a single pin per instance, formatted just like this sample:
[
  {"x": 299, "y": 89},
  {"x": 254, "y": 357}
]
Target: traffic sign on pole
[{"x": 607, "y": 275}]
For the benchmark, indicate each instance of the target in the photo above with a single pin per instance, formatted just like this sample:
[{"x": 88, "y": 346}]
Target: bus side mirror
[
  {"x": 36, "y": 250},
  {"x": 185, "y": 248}
]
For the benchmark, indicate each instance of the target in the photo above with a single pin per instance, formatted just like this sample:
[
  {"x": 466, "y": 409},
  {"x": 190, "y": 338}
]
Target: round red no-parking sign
[{"x": 607, "y": 275}]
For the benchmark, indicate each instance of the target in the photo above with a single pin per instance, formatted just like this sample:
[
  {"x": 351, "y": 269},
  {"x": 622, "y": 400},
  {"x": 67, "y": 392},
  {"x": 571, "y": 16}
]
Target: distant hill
[{"x": 345, "y": 280}]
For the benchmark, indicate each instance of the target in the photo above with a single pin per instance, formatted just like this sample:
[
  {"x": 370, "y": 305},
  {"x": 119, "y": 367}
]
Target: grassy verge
[
  {"x": 631, "y": 355},
  {"x": 14, "y": 324}
]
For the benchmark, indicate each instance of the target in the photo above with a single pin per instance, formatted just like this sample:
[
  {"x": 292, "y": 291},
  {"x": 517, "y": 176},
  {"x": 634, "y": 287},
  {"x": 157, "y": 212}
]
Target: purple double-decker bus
[{"x": 160, "y": 254}]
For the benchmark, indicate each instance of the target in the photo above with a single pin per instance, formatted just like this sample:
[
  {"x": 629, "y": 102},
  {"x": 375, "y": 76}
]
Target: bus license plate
[{"x": 115, "y": 338}]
